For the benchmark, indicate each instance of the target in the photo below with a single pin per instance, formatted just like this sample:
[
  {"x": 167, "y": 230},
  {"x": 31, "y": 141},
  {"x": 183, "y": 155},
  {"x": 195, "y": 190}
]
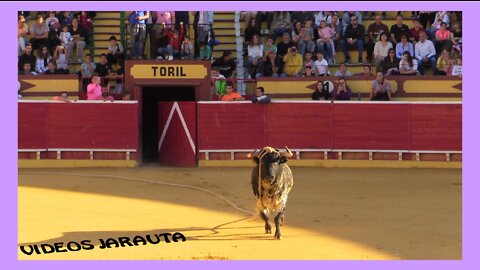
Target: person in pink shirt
[
  {"x": 166, "y": 17},
  {"x": 325, "y": 34},
  {"x": 94, "y": 89}
]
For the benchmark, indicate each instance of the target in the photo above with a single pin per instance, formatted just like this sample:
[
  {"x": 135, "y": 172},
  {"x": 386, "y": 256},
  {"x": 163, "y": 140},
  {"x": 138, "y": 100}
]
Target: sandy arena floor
[{"x": 331, "y": 214}]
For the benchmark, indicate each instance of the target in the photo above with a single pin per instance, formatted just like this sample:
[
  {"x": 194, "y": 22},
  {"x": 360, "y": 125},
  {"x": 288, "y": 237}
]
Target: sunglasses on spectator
[{"x": 391, "y": 52}]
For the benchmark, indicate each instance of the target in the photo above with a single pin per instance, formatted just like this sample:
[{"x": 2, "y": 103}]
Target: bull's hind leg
[
  {"x": 268, "y": 226},
  {"x": 278, "y": 220}
]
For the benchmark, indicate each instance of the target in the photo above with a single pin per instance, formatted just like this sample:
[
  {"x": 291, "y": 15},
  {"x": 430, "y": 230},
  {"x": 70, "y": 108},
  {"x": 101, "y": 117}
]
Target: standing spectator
[
  {"x": 27, "y": 57},
  {"x": 27, "y": 69},
  {"x": 307, "y": 43},
  {"x": 138, "y": 29},
  {"x": 281, "y": 22},
  {"x": 231, "y": 95},
  {"x": 86, "y": 22},
  {"x": 321, "y": 65},
  {"x": 265, "y": 16},
  {"x": 22, "y": 35},
  {"x": 261, "y": 97},
  {"x": 225, "y": 65},
  {"x": 39, "y": 33},
  {"x": 444, "y": 39},
  {"x": 86, "y": 70},
  {"x": 78, "y": 41},
  {"x": 404, "y": 46},
  {"x": 425, "y": 53},
  {"x": 43, "y": 58},
  {"x": 255, "y": 55},
  {"x": 342, "y": 71},
  {"x": 60, "y": 58},
  {"x": 293, "y": 63},
  {"x": 167, "y": 18},
  {"x": 354, "y": 37},
  {"x": 51, "y": 70},
  {"x": 347, "y": 16},
  {"x": 457, "y": 68},
  {"x": 390, "y": 63},
  {"x": 65, "y": 17},
  {"x": 182, "y": 19},
  {"x": 325, "y": 42},
  {"x": 115, "y": 51},
  {"x": 94, "y": 89},
  {"x": 381, "y": 50},
  {"x": 381, "y": 89},
  {"x": 343, "y": 91},
  {"x": 445, "y": 63},
  {"x": 426, "y": 17},
  {"x": 150, "y": 34},
  {"x": 252, "y": 29},
  {"x": 187, "y": 48},
  {"x": 51, "y": 21},
  {"x": 398, "y": 29},
  {"x": 202, "y": 23},
  {"x": 415, "y": 32},
  {"x": 323, "y": 16},
  {"x": 119, "y": 77},
  {"x": 408, "y": 65},
  {"x": 374, "y": 31},
  {"x": 103, "y": 68}
]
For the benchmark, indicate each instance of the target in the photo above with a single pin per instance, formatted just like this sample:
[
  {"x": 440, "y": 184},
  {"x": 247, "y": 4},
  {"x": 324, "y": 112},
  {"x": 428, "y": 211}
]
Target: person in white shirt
[
  {"x": 380, "y": 51},
  {"x": 425, "y": 53},
  {"x": 457, "y": 68},
  {"x": 321, "y": 65},
  {"x": 65, "y": 36},
  {"x": 255, "y": 55}
]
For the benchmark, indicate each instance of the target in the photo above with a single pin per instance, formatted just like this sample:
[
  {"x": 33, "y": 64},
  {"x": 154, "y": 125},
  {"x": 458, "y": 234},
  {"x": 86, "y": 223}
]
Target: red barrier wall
[
  {"x": 78, "y": 125},
  {"x": 406, "y": 126}
]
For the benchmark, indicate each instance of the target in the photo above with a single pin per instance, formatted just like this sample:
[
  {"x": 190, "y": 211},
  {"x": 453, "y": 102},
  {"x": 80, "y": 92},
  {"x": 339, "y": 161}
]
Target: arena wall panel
[{"x": 32, "y": 125}]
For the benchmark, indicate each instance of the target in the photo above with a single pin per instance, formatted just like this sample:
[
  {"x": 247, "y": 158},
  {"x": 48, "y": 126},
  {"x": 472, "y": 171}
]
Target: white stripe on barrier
[{"x": 175, "y": 107}]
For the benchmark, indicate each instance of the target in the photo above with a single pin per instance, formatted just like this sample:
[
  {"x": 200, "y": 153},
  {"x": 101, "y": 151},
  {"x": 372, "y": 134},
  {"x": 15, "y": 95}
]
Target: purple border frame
[{"x": 9, "y": 162}]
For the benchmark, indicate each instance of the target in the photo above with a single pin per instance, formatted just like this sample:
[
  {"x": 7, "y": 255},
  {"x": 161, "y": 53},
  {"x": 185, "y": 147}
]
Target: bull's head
[{"x": 269, "y": 159}]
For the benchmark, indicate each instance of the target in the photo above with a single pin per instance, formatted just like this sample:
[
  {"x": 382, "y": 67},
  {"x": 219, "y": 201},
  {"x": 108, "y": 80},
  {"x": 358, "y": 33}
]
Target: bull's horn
[
  {"x": 288, "y": 153},
  {"x": 252, "y": 154}
]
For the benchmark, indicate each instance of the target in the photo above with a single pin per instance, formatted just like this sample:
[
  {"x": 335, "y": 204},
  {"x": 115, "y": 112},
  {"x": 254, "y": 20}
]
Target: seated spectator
[
  {"x": 337, "y": 33},
  {"x": 65, "y": 18},
  {"x": 205, "y": 51},
  {"x": 415, "y": 31},
  {"x": 205, "y": 22},
  {"x": 27, "y": 57},
  {"x": 367, "y": 71},
  {"x": 65, "y": 37},
  {"x": 187, "y": 49},
  {"x": 381, "y": 50},
  {"x": 106, "y": 96},
  {"x": 323, "y": 16},
  {"x": 103, "y": 68},
  {"x": 115, "y": 51},
  {"x": 303, "y": 16},
  {"x": 342, "y": 71},
  {"x": 63, "y": 98},
  {"x": 175, "y": 45},
  {"x": 440, "y": 16},
  {"x": 94, "y": 89},
  {"x": 445, "y": 63},
  {"x": 255, "y": 55},
  {"x": 308, "y": 72},
  {"x": 390, "y": 63},
  {"x": 408, "y": 65},
  {"x": 27, "y": 70},
  {"x": 425, "y": 54},
  {"x": 404, "y": 46},
  {"x": 321, "y": 65},
  {"x": 22, "y": 35},
  {"x": 60, "y": 58},
  {"x": 307, "y": 44},
  {"x": 252, "y": 29},
  {"x": 271, "y": 65},
  {"x": 218, "y": 80},
  {"x": 325, "y": 43},
  {"x": 381, "y": 89},
  {"x": 78, "y": 41},
  {"x": 231, "y": 95},
  {"x": 457, "y": 36},
  {"x": 52, "y": 21},
  {"x": 374, "y": 31},
  {"x": 39, "y": 33},
  {"x": 353, "y": 38},
  {"x": 261, "y": 97},
  {"x": 42, "y": 60},
  {"x": 343, "y": 92},
  {"x": 398, "y": 29},
  {"x": 297, "y": 34},
  {"x": 281, "y": 22},
  {"x": 284, "y": 45},
  {"x": 322, "y": 92},
  {"x": 457, "y": 68},
  {"x": 444, "y": 39},
  {"x": 308, "y": 61},
  {"x": 293, "y": 63},
  {"x": 86, "y": 22},
  {"x": 163, "y": 39},
  {"x": 51, "y": 69},
  {"x": 347, "y": 19},
  {"x": 87, "y": 70},
  {"x": 226, "y": 65}
]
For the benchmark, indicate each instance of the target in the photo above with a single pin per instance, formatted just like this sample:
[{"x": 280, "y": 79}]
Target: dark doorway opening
[{"x": 150, "y": 130}]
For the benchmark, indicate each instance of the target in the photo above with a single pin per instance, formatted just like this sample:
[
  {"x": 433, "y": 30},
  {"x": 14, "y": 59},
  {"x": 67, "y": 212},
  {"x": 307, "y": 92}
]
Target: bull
[{"x": 271, "y": 182}]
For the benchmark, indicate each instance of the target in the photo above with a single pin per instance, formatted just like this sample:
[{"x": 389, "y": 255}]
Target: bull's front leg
[
  {"x": 278, "y": 220},
  {"x": 265, "y": 217}
]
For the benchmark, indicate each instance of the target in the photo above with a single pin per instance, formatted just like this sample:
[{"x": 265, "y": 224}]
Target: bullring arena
[{"x": 373, "y": 180}]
